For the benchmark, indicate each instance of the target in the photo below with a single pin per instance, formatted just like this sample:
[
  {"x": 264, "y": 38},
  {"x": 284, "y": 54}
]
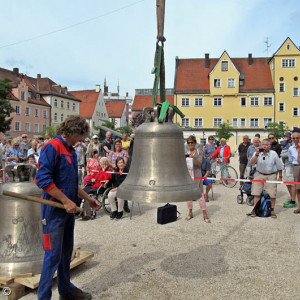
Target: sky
[{"x": 77, "y": 43}]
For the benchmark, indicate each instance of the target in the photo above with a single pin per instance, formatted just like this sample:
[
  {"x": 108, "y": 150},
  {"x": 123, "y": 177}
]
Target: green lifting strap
[{"x": 159, "y": 70}]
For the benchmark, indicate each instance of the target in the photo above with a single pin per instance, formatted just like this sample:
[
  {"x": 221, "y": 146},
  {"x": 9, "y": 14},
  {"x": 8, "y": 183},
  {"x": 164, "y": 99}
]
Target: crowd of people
[{"x": 272, "y": 161}]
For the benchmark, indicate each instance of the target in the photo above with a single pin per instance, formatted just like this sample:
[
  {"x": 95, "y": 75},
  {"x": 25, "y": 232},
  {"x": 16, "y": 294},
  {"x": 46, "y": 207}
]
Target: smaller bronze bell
[{"x": 158, "y": 172}]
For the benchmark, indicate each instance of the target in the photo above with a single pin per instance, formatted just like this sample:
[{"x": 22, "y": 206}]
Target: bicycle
[{"x": 226, "y": 172}]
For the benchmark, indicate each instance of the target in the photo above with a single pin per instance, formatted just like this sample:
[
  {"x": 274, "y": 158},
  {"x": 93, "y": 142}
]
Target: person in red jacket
[{"x": 223, "y": 153}]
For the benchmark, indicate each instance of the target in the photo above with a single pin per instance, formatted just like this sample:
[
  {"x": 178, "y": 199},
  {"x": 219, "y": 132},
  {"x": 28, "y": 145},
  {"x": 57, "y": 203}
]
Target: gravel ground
[{"x": 234, "y": 257}]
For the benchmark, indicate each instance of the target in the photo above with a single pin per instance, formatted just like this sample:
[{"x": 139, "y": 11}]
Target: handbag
[{"x": 167, "y": 214}]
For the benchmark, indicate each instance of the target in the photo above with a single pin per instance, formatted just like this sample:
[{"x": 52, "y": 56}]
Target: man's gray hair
[{"x": 266, "y": 140}]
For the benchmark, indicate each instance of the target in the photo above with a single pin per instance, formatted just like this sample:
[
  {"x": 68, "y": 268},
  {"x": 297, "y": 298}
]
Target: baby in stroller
[
  {"x": 96, "y": 186},
  {"x": 245, "y": 188}
]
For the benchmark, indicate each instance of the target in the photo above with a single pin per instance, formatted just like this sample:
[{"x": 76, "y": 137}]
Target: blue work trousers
[{"x": 58, "y": 234}]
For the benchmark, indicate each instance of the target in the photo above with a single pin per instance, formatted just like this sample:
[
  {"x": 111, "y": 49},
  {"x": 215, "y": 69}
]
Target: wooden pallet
[{"x": 22, "y": 284}]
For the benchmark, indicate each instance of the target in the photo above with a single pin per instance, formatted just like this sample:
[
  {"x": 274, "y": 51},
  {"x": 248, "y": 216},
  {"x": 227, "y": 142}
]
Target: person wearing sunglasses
[
  {"x": 294, "y": 153},
  {"x": 275, "y": 146},
  {"x": 268, "y": 164},
  {"x": 194, "y": 158}
]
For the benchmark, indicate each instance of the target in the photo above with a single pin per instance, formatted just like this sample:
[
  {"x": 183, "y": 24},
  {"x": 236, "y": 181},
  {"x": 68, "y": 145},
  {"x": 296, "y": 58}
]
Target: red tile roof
[
  {"x": 115, "y": 108},
  {"x": 191, "y": 74},
  {"x": 88, "y": 101},
  {"x": 141, "y": 101}
]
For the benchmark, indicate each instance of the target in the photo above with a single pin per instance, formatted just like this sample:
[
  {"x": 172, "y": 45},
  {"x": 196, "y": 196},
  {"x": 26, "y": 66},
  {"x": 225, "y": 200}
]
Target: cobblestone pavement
[{"x": 234, "y": 257}]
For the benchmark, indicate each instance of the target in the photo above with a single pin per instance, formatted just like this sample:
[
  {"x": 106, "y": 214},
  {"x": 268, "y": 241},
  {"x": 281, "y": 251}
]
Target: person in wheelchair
[
  {"x": 99, "y": 180},
  {"x": 117, "y": 179}
]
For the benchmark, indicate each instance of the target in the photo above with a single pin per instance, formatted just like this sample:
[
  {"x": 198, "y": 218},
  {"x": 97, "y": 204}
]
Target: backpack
[{"x": 263, "y": 206}]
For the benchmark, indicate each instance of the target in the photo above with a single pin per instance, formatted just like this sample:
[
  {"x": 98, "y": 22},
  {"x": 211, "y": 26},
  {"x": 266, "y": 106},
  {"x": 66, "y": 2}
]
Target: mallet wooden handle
[{"x": 36, "y": 199}]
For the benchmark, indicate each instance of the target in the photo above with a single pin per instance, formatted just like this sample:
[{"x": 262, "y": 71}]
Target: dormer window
[
  {"x": 224, "y": 66},
  {"x": 38, "y": 97},
  {"x": 242, "y": 80},
  {"x": 29, "y": 95}
]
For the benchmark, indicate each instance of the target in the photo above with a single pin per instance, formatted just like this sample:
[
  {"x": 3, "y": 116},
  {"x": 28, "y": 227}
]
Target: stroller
[{"x": 246, "y": 189}]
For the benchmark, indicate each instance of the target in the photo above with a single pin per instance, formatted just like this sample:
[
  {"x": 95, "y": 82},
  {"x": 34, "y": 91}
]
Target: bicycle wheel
[
  {"x": 104, "y": 201},
  {"x": 228, "y": 172}
]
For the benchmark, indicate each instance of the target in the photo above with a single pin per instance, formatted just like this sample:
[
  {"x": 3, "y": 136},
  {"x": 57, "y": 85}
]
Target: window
[
  {"x": 36, "y": 128},
  {"x": 281, "y": 122},
  {"x": 29, "y": 95},
  {"x": 68, "y": 105},
  {"x": 198, "y": 101},
  {"x": 62, "y": 104},
  {"x": 27, "y": 127},
  {"x": 217, "y": 83},
  {"x": 243, "y": 122},
  {"x": 281, "y": 87},
  {"x": 254, "y": 122},
  {"x": 288, "y": 63},
  {"x": 18, "y": 110},
  {"x": 27, "y": 111},
  {"x": 243, "y": 101},
  {"x": 198, "y": 122},
  {"x": 295, "y": 111},
  {"x": 235, "y": 122},
  {"x": 38, "y": 97},
  {"x": 254, "y": 101},
  {"x": 231, "y": 82},
  {"x": 22, "y": 95},
  {"x": 44, "y": 114},
  {"x": 17, "y": 126},
  {"x": 185, "y": 122},
  {"x": 267, "y": 121},
  {"x": 185, "y": 101},
  {"x": 36, "y": 112},
  {"x": 295, "y": 92},
  {"x": 55, "y": 102},
  {"x": 281, "y": 106},
  {"x": 62, "y": 117},
  {"x": 224, "y": 66},
  {"x": 55, "y": 117},
  {"x": 44, "y": 127},
  {"x": 268, "y": 101},
  {"x": 74, "y": 106},
  {"x": 217, "y": 122},
  {"x": 217, "y": 101}
]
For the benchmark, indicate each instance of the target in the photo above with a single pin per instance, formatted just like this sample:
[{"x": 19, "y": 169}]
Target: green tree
[
  {"x": 5, "y": 107},
  {"x": 125, "y": 129},
  {"x": 224, "y": 131},
  {"x": 277, "y": 129},
  {"x": 51, "y": 130},
  {"x": 109, "y": 124}
]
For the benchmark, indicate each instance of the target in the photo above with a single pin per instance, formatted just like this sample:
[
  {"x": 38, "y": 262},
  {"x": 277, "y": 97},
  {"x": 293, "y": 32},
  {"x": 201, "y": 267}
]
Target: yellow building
[{"x": 243, "y": 91}]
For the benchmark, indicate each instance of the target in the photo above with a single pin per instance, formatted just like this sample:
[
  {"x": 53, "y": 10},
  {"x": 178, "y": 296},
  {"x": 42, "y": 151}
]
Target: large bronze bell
[{"x": 158, "y": 172}]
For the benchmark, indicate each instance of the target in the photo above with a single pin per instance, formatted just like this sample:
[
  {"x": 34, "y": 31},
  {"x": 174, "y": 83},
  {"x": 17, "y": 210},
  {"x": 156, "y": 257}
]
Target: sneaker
[
  {"x": 76, "y": 294},
  {"x": 113, "y": 214},
  {"x": 289, "y": 204},
  {"x": 273, "y": 215},
  {"x": 119, "y": 215}
]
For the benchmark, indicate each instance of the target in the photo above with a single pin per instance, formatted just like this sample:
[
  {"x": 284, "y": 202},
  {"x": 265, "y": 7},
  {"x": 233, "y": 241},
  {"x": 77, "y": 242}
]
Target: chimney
[
  {"x": 126, "y": 94},
  {"x": 206, "y": 60},
  {"x": 97, "y": 88},
  {"x": 38, "y": 76},
  {"x": 250, "y": 59},
  {"x": 16, "y": 71}
]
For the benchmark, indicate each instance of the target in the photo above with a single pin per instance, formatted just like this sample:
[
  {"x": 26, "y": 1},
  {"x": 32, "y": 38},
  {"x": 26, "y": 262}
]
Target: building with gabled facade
[
  {"x": 32, "y": 112},
  {"x": 117, "y": 111},
  {"x": 92, "y": 107},
  {"x": 242, "y": 91},
  {"x": 63, "y": 103}
]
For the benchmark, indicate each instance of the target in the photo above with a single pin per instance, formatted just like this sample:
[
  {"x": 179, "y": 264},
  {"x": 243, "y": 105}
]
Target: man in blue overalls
[{"x": 58, "y": 177}]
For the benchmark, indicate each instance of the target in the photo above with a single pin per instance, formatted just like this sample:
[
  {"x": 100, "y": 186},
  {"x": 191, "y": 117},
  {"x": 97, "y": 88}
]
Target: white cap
[{"x": 95, "y": 136}]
